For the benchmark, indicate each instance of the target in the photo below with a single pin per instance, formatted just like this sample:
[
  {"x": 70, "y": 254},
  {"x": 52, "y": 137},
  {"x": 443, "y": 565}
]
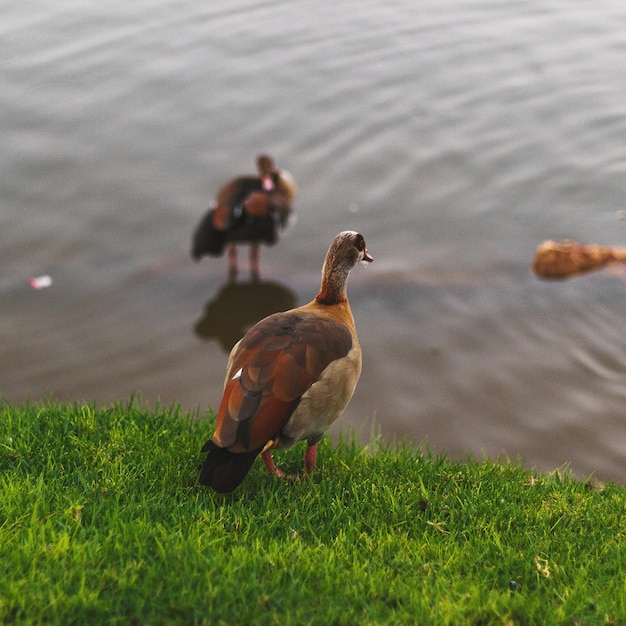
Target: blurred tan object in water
[{"x": 562, "y": 259}]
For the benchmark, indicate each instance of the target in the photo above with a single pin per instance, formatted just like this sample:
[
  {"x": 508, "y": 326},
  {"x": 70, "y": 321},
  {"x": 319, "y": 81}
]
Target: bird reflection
[{"x": 240, "y": 305}]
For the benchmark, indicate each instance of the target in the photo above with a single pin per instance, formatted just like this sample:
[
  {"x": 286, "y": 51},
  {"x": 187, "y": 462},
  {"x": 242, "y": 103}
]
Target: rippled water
[{"x": 455, "y": 137}]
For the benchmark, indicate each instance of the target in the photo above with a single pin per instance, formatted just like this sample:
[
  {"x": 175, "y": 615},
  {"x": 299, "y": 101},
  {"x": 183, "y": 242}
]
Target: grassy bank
[{"x": 101, "y": 521}]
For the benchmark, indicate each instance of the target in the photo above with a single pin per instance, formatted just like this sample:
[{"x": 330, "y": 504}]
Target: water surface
[{"x": 455, "y": 137}]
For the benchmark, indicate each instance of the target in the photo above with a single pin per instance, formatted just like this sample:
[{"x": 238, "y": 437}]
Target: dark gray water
[{"x": 454, "y": 136}]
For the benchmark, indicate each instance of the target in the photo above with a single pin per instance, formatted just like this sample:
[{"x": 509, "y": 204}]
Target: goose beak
[{"x": 367, "y": 256}]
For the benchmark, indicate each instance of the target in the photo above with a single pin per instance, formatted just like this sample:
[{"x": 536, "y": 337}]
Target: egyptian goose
[
  {"x": 290, "y": 377},
  {"x": 248, "y": 209}
]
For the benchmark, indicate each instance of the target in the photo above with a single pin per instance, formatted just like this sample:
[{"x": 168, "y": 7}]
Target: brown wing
[
  {"x": 258, "y": 204},
  {"x": 274, "y": 365},
  {"x": 264, "y": 204},
  {"x": 231, "y": 195}
]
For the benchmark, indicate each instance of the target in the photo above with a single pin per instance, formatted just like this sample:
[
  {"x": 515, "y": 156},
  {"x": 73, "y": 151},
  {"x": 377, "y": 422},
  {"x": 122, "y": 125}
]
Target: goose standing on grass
[
  {"x": 290, "y": 377},
  {"x": 248, "y": 209}
]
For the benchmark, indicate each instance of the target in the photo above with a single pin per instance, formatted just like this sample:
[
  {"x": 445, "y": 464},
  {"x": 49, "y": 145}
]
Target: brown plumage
[
  {"x": 248, "y": 209},
  {"x": 290, "y": 377},
  {"x": 562, "y": 259}
]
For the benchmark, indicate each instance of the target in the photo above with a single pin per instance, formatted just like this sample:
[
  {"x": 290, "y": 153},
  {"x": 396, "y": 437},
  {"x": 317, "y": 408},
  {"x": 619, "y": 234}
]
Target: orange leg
[
  {"x": 232, "y": 259},
  {"x": 309, "y": 458},
  {"x": 254, "y": 260},
  {"x": 269, "y": 463}
]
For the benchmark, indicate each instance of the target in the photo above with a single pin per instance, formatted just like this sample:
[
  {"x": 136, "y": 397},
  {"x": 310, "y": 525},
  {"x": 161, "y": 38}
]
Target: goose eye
[{"x": 360, "y": 243}]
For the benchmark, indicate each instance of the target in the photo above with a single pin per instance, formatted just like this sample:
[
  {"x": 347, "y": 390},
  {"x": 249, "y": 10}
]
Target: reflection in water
[{"x": 238, "y": 306}]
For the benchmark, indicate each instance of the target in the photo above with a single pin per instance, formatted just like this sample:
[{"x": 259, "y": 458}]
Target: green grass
[{"x": 102, "y": 521}]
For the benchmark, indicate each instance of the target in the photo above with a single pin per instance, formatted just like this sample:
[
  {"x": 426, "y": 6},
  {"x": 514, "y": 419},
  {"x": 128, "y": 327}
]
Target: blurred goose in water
[
  {"x": 248, "y": 209},
  {"x": 290, "y": 377}
]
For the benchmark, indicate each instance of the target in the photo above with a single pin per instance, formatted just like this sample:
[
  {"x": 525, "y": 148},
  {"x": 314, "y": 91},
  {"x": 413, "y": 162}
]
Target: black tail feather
[
  {"x": 207, "y": 240},
  {"x": 224, "y": 470}
]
